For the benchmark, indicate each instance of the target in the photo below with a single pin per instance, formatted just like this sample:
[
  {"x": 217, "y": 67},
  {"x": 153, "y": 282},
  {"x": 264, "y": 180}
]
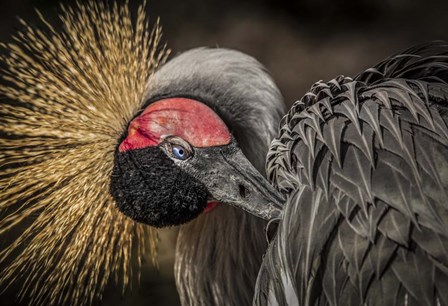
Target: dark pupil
[{"x": 179, "y": 152}]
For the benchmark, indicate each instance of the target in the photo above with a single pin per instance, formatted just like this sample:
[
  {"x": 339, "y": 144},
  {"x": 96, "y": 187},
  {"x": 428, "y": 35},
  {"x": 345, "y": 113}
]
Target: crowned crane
[
  {"x": 364, "y": 165},
  {"x": 96, "y": 121}
]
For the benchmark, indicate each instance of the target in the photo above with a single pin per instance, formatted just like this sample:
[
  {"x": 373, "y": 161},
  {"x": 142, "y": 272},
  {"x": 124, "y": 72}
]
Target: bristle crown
[{"x": 68, "y": 97}]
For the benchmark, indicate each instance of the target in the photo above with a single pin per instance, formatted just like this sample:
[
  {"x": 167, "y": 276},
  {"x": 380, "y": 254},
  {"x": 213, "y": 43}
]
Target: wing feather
[{"x": 364, "y": 164}]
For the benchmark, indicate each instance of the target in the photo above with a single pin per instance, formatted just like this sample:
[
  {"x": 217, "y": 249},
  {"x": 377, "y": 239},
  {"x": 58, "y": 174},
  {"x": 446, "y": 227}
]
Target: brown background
[{"x": 300, "y": 42}]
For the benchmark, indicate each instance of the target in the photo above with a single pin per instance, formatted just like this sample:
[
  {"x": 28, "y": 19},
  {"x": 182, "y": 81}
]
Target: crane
[
  {"x": 364, "y": 165},
  {"x": 99, "y": 122},
  {"x": 93, "y": 119}
]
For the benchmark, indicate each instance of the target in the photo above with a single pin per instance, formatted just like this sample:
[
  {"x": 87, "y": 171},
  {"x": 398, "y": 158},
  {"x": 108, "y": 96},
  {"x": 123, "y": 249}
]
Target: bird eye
[
  {"x": 180, "y": 152},
  {"x": 177, "y": 148}
]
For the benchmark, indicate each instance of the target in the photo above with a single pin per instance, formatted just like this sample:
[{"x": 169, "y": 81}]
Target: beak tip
[{"x": 270, "y": 212}]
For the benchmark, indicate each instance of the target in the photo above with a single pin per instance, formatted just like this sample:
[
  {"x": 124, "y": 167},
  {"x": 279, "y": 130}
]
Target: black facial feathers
[{"x": 148, "y": 187}]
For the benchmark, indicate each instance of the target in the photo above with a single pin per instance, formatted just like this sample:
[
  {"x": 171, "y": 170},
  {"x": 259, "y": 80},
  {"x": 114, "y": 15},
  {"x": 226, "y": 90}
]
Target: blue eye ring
[{"x": 179, "y": 152}]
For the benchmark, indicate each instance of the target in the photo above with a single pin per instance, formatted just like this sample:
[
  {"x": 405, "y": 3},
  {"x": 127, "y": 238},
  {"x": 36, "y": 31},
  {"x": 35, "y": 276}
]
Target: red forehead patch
[{"x": 189, "y": 119}]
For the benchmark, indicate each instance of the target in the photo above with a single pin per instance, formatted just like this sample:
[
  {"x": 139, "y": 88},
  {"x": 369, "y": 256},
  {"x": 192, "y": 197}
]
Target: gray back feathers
[{"x": 364, "y": 163}]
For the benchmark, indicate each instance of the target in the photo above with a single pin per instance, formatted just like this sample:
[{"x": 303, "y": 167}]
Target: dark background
[{"x": 300, "y": 42}]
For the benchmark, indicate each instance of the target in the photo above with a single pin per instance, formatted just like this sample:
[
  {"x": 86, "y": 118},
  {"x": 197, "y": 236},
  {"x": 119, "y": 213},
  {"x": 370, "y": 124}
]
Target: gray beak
[{"x": 230, "y": 178}]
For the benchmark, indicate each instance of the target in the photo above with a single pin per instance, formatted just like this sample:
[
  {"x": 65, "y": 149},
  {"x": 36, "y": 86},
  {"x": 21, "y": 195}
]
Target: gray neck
[
  {"x": 218, "y": 257},
  {"x": 219, "y": 254}
]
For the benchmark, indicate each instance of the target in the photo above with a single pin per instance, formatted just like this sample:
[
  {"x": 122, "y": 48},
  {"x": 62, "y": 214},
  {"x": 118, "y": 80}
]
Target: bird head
[
  {"x": 179, "y": 159},
  {"x": 67, "y": 97}
]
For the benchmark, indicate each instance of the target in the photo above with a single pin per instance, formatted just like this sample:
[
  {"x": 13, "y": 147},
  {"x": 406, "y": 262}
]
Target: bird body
[
  {"x": 97, "y": 122},
  {"x": 364, "y": 164}
]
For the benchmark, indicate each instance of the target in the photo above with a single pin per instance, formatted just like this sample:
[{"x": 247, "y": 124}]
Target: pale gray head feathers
[{"x": 233, "y": 84}]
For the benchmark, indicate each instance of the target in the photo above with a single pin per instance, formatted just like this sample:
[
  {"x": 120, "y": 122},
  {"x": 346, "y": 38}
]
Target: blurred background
[{"x": 300, "y": 42}]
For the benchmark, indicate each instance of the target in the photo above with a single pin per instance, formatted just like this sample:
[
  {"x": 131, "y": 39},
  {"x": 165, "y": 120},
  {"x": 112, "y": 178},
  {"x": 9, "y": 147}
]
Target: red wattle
[
  {"x": 210, "y": 206},
  {"x": 136, "y": 139},
  {"x": 192, "y": 120}
]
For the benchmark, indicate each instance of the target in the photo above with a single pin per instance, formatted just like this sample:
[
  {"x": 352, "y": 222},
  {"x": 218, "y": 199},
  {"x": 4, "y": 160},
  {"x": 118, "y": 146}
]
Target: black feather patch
[{"x": 148, "y": 187}]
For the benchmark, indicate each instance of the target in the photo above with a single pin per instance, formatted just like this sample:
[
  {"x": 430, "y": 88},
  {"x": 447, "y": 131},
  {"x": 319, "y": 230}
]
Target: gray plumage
[
  {"x": 364, "y": 163},
  {"x": 218, "y": 255}
]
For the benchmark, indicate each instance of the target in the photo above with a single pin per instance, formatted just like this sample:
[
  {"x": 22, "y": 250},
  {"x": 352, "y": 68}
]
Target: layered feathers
[{"x": 364, "y": 162}]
